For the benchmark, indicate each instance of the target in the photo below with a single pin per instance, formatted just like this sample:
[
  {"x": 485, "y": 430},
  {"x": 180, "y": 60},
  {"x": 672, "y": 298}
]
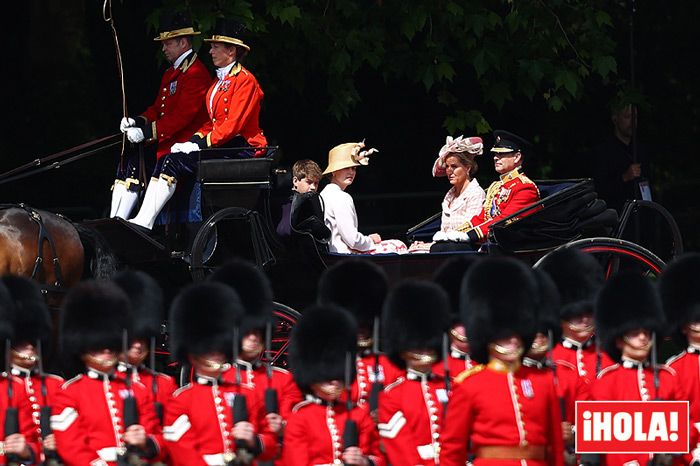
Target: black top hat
[
  {"x": 357, "y": 285},
  {"x": 229, "y": 31},
  {"x": 319, "y": 346},
  {"x": 32, "y": 320},
  {"x": 176, "y": 24},
  {"x": 146, "y": 298},
  {"x": 416, "y": 316},
  {"x": 254, "y": 290},
  {"x": 499, "y": 298},
  {"x": 505, "y": 142},
  {"x": 628, "y": 301},
  {"x": 680, "y": 293}
]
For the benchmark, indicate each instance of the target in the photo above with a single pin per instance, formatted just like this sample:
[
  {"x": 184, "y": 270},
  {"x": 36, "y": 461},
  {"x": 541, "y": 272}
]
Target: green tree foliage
[{"x": 468, "y": 54}]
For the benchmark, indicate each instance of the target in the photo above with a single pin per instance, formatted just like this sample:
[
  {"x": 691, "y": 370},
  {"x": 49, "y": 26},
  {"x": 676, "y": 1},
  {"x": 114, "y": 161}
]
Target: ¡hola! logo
[{"x": 632, "y": 427}]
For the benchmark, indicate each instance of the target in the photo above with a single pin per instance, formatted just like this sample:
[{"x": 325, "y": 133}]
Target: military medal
[{"x": 173, "y": 87}]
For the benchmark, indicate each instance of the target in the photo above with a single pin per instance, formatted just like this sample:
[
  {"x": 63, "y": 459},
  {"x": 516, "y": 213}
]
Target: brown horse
[{"x": 50, "y": 249}]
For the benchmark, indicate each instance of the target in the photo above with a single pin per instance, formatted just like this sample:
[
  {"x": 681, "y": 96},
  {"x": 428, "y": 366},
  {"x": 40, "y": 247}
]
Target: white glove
[
  {"x": 458, "y": 236},
  {"x": 440, "y": 236},
  {"x": 126, "y": 123},
  {"x": 134, "y": 135},
  {"x": 184, "y": 147}
]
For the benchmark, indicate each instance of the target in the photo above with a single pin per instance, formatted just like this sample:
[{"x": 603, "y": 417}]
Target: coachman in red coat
[{"x": 500, "y": 413}]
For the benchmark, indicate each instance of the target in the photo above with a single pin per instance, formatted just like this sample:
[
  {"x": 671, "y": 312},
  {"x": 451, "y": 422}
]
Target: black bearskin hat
[
  {"x": 7, "y": 317},
  {"x": 146, "y": 296},
  {"x": 32, "y": 318},
  {"x": 578, "y": 277},
  {"x": 416, "y": 315},
  {"x": 628, "y": 301},
  {"x": 548, "y": 305},
  {"x": 253, "y": 289},
  {"x": 450, "y": 275},
  {"x": 95, "y": 315},
  {"x": 202, "y": 318},
  {"x": 319, "y": 344},
  {"x": 499, "y": 298},
  {"x": 357, "y": 285},
  {"x": 679, "y": 287}
]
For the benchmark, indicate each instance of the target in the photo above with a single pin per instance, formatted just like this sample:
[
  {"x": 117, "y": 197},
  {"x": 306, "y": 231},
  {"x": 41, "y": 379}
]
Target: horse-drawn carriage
[{"x": 239, "y": 198}]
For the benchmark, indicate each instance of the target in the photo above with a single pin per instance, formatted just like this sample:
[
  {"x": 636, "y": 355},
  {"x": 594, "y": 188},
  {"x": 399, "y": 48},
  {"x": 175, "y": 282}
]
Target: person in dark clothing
[{"x": 616, "y": 171}]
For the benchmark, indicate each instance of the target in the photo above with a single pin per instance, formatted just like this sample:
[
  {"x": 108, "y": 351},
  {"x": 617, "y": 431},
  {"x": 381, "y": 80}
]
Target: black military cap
[{"x": 505, "y": 142}]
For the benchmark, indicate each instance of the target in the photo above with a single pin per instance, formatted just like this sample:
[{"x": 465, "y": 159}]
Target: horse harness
[{"x": 44, "y": 235}]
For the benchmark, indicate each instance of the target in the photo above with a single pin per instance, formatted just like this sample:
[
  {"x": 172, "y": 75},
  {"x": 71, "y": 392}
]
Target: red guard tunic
[
  {"x": 179, "y": 109},
  {"x": 165, "y": 385},
  {"x": 199, "y": 424},
  {"x": 387, "y": 372},
  {"x": 24, "y": 412},
  {"x": 314, "y": 434},
  {"x": 492, "y": 407},
  {"x": 88, "y": 424},
  {"x": 687, "y": 367},
  {"x": 504, "y": 197},
  {"x": 457, "y": 362},
  {"x": 234, "y": 110},
  {"x": 634, "y": 381},
  {"x": 410, "y": 419},
  {"x": 583, "y": 356}
]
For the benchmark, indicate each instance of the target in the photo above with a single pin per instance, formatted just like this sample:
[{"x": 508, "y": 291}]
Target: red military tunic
[
  {"x": 199, "y": 423},
  {"x": 687, "y": 367},
  {"x": 493, "y": 407},
  {"x": 583, "y": 356},
  {"x": 314, "y": 434},
  {"x": 504, "y": 197},
  {"x": 179, "y": 109},
  {"x": 410, "y": 419},
  {"x": 234, "y": 110},
  {"x": 24, "y": 412},
  {"x": 634, "y": 381},
  {"x": 87, "y": 419},
  {"x": 361, "y": 388},
  {"x": 165, "y": 385},
  {"x": 457, "y": 362}
]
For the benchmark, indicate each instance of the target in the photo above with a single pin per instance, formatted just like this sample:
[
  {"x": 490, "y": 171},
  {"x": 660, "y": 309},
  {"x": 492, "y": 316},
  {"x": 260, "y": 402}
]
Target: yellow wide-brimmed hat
[{"x": 350, "y": 154}]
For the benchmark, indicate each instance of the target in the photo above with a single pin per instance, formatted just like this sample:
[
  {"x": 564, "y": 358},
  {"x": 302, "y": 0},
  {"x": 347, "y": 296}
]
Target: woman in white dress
[{"x": 339, "y": 209}]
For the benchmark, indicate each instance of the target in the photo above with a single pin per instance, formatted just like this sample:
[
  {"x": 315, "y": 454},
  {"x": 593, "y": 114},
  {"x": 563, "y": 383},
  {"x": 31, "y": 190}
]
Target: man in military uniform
[
  {"x": 416, "y": 318},
  {"x": 233, "y": 103},
  {"x": 508, "y": 195},
  {"x": 177, "y": 112},
  {"x": 500, "y": 412}
]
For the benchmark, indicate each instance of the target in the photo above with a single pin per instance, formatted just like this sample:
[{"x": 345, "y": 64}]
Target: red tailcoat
[
  {"x": 504, "y": 197},
  {"x": 584, "y": 357},
  {"x": 24, "y": 411},
  {"x": 87, "y": 419},
  {"x": 179, "y": 108},
  {"x": 388, "y": 373},
  {"x": 410, "y": 419},
  {"x": 494, "y": 407},
  {"x": 199, "y": 423},
  {"x": 314, "y": 434},
  {"x": 235, "y": 110},
  {"x": 631, "y": 381}
]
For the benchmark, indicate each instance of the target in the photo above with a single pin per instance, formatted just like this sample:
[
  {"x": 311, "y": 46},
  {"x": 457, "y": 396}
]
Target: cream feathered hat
[
  {"x": 473, "y": 146},
  {"x": 350, "y": 154}
]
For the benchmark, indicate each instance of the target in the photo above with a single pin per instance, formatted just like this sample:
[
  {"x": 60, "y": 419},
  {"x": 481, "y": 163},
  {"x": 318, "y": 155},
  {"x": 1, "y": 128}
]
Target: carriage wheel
[
  {"x": 616, "y": 255},
  {"x": 284, "y": 319}
]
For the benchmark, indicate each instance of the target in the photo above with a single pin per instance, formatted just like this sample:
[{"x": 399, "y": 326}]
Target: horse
[{"x": 52, "y": 250}]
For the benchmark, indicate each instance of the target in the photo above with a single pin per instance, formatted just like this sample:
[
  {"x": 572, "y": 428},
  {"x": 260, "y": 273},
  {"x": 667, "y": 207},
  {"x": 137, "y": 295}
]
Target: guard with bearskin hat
[
  {"x": 680, "y": 296},
  {"x": 500, "y": 412},
  {"x": 211, "y": 421},
  {"x": 337, "y": 286},
  {"x": 99, "y": 418},
  {"x": 325, "y": 429},
  {"x": 569, "y": 386},
  {"x": 30, "y": 346},
  {"x": 578, "y": 277},
  {"x": 449, "y": 276},
  {"x": 629, "y": 318},
  {"x": 147, "y": 317},
  {"x": 21, "y": 444},
  {"x": 273, "y": 384},
  {"x": 415, "y": 319}
]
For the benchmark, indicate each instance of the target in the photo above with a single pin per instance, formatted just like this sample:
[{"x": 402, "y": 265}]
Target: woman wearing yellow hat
[{"x": 339, "y": 209}]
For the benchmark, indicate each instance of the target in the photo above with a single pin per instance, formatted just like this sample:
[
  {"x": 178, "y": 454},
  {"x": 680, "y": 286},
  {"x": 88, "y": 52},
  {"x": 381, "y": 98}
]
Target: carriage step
[{"x": 129, "y": 242}]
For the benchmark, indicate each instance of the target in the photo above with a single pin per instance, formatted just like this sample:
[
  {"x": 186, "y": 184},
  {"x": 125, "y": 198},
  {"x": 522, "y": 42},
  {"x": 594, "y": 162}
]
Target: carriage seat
[{"x": 234, "y": 182}]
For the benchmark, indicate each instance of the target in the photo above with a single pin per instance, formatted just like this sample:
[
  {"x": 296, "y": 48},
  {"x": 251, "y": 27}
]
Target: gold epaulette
[{"x": 469, "y": 372}]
